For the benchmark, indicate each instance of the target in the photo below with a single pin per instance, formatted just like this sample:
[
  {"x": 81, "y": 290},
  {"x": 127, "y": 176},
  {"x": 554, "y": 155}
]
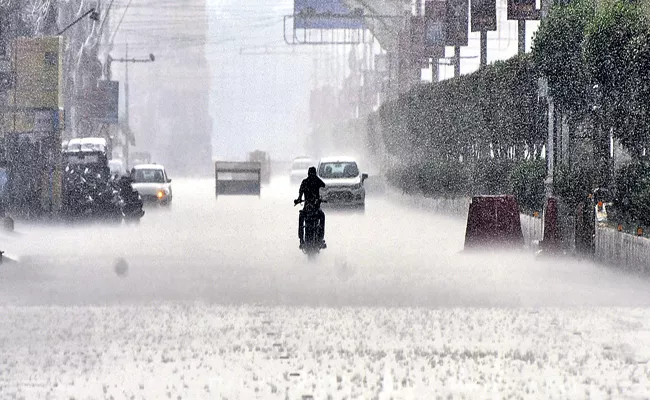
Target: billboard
[
  {"x": 522, "y": 10},
  {"x": 484, "y": 15},
  {"x": 326, "y": 14},
  {"x": 38, "y": 66},
  {"x": 106, "y": 102},
  {"x": 417, "y": 35},
  {"x": 456, "y": 33},
  {"x": 435, "y": 15}
]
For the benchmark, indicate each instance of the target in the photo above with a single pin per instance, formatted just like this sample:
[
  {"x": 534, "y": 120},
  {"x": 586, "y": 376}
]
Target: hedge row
[
  {"x": 493, "y": 112},
  {"x": 478, "y": 133},
  {"x": 451, "y": 179}
]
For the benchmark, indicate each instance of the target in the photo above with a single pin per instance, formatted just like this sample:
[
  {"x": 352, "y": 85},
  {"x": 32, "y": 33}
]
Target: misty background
[{"x": 224, "y": 75}]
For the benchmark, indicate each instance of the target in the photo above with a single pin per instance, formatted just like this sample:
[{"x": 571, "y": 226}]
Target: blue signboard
[
  {"x": 325, "y": 14},
  {"x": 107, "y": 101},
  {"x": 435, "y": 31}
]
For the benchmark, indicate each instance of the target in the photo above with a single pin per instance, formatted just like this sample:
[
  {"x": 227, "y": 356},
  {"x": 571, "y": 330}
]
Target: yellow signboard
[{"x": 38, "y": 66}]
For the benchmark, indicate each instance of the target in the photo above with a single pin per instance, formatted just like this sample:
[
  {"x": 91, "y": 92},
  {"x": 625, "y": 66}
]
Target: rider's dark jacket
[{"x": 310, "y": 187}]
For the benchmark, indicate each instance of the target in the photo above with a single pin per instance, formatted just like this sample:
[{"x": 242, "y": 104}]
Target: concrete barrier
[{"x": 493, "y": 221}]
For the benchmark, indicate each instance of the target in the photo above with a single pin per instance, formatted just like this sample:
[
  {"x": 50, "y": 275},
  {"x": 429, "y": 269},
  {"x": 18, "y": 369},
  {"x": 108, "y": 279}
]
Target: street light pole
[
  {"x": 94, "y": 15},
  {"x": 108, "y": 76}
]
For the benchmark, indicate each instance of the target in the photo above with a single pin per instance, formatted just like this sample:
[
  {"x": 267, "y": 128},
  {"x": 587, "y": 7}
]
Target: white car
[
  {"x": 152, "y": 183},
  {"x": 343, "y": 182},
  {"x": 299, "y": 169}
]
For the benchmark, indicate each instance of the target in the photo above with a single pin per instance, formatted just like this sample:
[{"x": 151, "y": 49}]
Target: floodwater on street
[
  {"x": 217, "y": 301},
  {"x": 244, "y": 250}
]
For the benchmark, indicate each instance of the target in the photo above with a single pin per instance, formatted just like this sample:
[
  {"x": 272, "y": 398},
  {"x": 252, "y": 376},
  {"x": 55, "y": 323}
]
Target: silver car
[
  {"x": 344, "y": 182},
  {"x": 152, "y": 183}
]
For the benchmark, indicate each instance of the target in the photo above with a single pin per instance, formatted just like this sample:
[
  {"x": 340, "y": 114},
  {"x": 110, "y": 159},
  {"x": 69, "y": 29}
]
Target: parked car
[
  {"x": 344, "y": 183},
  {"x": 152, "y": 183},
  {"x": 299, "y": 169}
]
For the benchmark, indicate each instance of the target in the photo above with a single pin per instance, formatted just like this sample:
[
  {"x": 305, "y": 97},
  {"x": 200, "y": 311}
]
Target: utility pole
[
  {"x": 126, "y": 108},
  {"x": 550, "y": 154},
  {"x": 107, "y": 74},
  {"x": 418, "y": 57},
  {"x": 550, "y": 151},
  {"x": 456, "y": 61},
  {"x": 521, "y": 36},
  {"x": 483, "y": 61}
]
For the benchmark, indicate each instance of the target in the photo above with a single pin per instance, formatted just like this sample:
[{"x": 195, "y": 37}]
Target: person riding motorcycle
[
  {"x": 132, "y": 206},
  {"x": 310, "y": 188}
]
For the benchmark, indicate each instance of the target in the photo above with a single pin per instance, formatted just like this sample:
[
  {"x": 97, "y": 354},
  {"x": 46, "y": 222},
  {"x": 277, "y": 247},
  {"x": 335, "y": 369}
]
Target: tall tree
[{"x": 557, "y": 54}]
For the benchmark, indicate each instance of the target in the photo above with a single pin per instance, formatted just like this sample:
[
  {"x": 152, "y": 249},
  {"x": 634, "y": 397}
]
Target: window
[
  {"x": 338, "y": 170},
  {"x": 148, "y": 176},
  {"x": 80, "y": 159},
  {"x": 51, "y": 58}
]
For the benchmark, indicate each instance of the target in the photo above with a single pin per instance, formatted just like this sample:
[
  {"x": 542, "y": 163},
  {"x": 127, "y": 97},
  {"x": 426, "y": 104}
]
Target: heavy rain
[{"x": 484, "y": 176}]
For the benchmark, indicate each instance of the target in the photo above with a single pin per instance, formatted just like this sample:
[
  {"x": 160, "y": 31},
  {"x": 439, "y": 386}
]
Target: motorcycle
[
  {"x": 311, "y": 227},
  {"x": 106, "y": 201},
  {"x": 89, "y": 194},
  {"x": 131, "y": 202},
  {"x": 77, "y": 199}
]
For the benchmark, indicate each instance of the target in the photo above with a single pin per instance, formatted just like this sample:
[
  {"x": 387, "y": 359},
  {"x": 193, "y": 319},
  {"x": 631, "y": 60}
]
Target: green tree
[
  {"x": 557, "y": 55},
  {"x": 632, "y": 201},
  {"x": 636, "y": 134},
  {"x": 616, "y": 56}
]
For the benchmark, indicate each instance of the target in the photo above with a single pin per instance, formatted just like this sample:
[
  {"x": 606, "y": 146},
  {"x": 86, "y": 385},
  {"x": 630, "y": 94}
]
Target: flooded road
[
  {"x": 217, "y": 301},
  {"x": 244, "y": 250}
]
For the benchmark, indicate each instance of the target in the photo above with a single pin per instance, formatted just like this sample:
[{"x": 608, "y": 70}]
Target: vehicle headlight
[
  {"x": 161, "y": 194},
  {"x": 356, "y": 187}
]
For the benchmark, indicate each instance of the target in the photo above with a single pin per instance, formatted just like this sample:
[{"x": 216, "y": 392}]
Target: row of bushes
[
  {"x": 481, "y": 133},
  {"x": 492, "y": 113},
  {"x": 452, "y": 179}
]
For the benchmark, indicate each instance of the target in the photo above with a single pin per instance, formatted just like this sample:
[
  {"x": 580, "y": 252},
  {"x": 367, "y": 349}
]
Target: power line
[
  {"x": 120, "y": 23},
  {"x": 101, "y": 27}
]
